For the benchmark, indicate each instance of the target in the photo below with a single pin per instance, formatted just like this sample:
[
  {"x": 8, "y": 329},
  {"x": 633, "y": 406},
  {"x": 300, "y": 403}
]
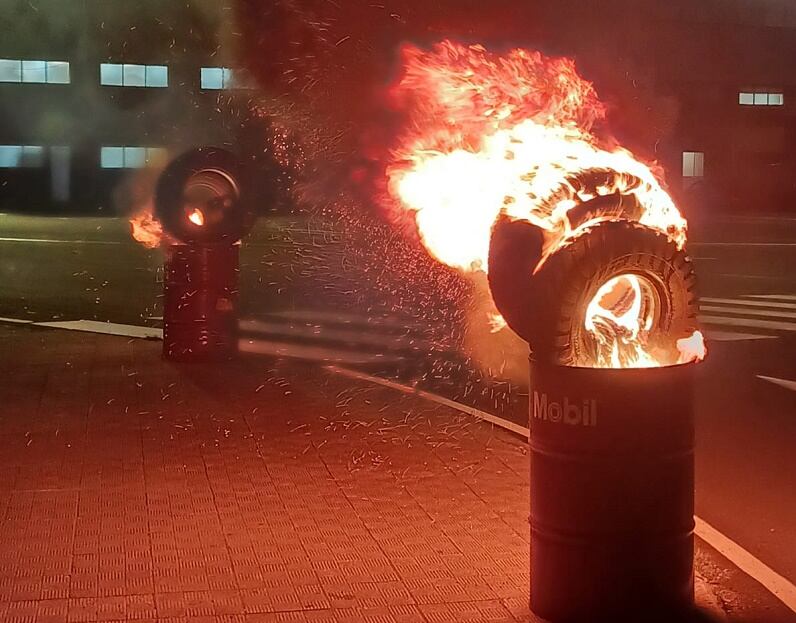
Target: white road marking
[
  {"x": 784, "y": 297},
  {"x": 107, "y": 328},
  {"x": 791, "y": 385},
  {"x": 760, "y": 277},
  {"x": 744, "y": 302},
  {"x": 406, "y": 389},
  {"x": 744, "y": 322},
  {"x": 777, "y": 585},
  {"x": 48, "y": 241},
  {"x": 313, "y": 353},
  {"x": 261, "y": 347},
  {"x": 767, "y": 313},
  {"x": 324, "y": 333},
  {"x": 347, "y": 318},
  {"x": 727, "y": 336},
  {"x": 15, "y": 320}
]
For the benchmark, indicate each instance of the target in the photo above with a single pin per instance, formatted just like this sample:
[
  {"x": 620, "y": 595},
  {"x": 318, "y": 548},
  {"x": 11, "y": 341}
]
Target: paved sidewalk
[{"x": 136, "y": 489}]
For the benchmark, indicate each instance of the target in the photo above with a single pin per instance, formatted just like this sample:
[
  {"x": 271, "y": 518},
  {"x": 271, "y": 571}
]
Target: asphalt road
[
  {"x": 306, "y": 291},
  {"x": 746, "y": 395}
]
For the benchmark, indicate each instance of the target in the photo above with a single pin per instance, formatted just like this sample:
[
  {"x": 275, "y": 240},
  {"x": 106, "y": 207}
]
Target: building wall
[
  {"x": 736, "y": 46},
  {"x": 670, "y": 71},
  {"x": 85, "y": 115}
]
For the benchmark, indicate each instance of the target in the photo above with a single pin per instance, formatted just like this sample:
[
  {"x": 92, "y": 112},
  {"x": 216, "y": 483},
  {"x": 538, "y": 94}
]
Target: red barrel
[
  {"x": 200, "y": 308},
  {"x": 612, "y": 492}
]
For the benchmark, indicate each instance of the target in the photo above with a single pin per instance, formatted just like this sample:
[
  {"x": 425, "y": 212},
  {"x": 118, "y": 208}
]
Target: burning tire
[
  {"x": 515, "y": 249},
  {"x": 615, "y": 295},
  {"x": 203, "y": 196}
]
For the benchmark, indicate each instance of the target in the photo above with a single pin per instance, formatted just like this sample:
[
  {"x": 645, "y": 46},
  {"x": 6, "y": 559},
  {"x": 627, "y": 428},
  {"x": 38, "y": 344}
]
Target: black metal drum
[
  {"x": 200, "y": 309},
  {"x": 612, "y": 492}
]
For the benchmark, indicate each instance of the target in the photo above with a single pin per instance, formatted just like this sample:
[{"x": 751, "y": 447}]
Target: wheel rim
[{"x": 619, "y": 323}]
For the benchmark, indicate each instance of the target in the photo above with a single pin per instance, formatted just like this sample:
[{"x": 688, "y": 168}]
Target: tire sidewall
[
  {"x": 171, "y": 184},
  {"x": 560, "y": 291}
]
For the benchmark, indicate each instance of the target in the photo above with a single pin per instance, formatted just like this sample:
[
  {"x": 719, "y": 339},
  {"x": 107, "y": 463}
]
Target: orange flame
[
  {"x": 496, "y": 322},
  {"x": 692, "y": 348},
  {"x": 145, "y": 228},
  {"x": 616, "y": 319},
  {"x": 196, "y": 217},
  {"x": 513, "y": 133}
]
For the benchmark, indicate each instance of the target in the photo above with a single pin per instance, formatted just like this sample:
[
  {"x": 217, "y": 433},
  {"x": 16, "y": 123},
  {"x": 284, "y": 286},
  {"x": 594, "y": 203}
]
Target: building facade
[{"x": 96, "y": 95}]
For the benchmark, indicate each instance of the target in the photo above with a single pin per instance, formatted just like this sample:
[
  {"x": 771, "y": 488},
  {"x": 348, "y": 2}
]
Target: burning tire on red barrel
[
  {"x": 611, "y": 451},
  {"x": 203, "y": 202},
  {"x": 586, "y": 263},
  {"x": 203, "y": 197},
  {"x": 620, "y": 266}
]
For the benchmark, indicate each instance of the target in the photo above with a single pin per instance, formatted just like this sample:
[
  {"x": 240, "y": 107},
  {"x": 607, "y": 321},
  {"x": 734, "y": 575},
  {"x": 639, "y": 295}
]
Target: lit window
[
  {"x": 130, "y": 75},
  {"x": 135, "y": 157},
  {"x": 212, "y": 77},
  {"x": 21, "y": 156},
  {"x": 133, "y": 75},
  {"x": 41, "y": 72},
  {"x": 131, "y": 157},
  {"x": 157, "y": 76},
  {"x": 111, "y": 74},
  {"x": 34, "y": 71},
  {"x": 112, "y": 158},
  {"x": 10, "y": 70},
  {"x": 215, "y": 78},
  {"x": 10, "y": 155},
  {"x": 760, "y": 98},
  {"x": 58, "y": 72},
  {"x": 693, "y": 164}
]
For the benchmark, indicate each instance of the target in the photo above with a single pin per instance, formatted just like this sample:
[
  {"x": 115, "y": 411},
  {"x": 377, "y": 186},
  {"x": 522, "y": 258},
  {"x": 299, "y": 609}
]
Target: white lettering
[
  {"x": 572, "y": 415},
  {"x": 567, "y": 412},
  {"x": 540, "y": 406}
]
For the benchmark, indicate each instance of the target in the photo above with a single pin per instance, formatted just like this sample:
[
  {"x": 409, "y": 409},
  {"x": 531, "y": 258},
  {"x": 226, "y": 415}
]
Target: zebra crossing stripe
[
  {"x": 314, "y": 353},
  {"x": 748, "y": 312},
  {"x": 744, "y": 302},
  {"x": 714, "y": 335},
  {"x": 784, "y": 297},
  {"x": 757, "y": 311},
  {"x": 747, "y": 322},
  {"x": 325, "y": 333},
  {"x": 320, "y": 316}
]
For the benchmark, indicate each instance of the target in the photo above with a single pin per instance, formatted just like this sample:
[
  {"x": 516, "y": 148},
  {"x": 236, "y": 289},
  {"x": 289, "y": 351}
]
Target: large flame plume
[{"x": 487, "y": 134}]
